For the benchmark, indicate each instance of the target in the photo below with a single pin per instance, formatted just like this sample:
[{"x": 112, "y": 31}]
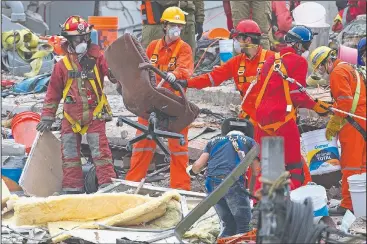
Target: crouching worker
[
  {"x": 221, "y": 156},
  {"x": 78, "y": 80}
]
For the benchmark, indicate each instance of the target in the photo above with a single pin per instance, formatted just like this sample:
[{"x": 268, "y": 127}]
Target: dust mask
[
  {"x": 81, "y": 48},
  {"x": 237, "y": 46},
  {"x": 305, "y": 54},
  {"x": 174, "y": 33}
]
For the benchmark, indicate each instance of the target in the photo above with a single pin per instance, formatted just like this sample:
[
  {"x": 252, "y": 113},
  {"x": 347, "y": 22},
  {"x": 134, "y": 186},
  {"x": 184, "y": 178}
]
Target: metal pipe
[{"x": 17, "y": 10}]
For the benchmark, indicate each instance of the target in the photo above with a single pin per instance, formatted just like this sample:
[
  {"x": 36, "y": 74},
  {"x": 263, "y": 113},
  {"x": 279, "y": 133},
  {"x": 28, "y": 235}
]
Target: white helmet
[{"x": 235, "y": 132}]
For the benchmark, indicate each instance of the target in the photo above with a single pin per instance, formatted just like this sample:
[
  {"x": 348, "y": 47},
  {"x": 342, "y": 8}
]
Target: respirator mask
[
  {"x": 174, "y": 33},
  {"x": 80, "y": 43}
]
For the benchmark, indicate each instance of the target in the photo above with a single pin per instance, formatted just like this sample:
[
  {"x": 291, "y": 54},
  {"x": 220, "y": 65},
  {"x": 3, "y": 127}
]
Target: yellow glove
[
  {"x": 335, "y": 124},
  {"x": 321, "y": 108}
]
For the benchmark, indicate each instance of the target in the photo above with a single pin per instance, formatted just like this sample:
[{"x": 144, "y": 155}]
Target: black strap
[
  {"x": 296, "y": 176},
  {"x": 294, "y": 166},
  {"x": 81, "y": 74},
  {"x": 357, "y": 126}
]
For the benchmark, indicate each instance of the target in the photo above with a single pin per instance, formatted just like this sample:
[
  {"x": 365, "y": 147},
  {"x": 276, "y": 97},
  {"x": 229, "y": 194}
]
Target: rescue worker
[
  {"x": 78, "y": 80},
  {"x": 221, "y": 156},
  {"x": 174, "y": 56},
  {"x": 348, "y": 88},
  {"x": 361, "y": 47},
  {"x": 279, "y": 99},
  {"x": 244, "y": 68},
  {"x": 258, "y": 11},
  {"x": 152, "y": 11},
  {"x": 348, "y": 14},
  {"x": 281, "y": 23}
]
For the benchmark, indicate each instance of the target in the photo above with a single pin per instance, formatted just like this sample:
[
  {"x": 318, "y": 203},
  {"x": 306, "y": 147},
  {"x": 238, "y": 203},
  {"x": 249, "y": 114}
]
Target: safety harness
[
  {"x": 279, "y": 67},
  {"x": 102, "y": 101},
  {"x": 172, "y": 61}
]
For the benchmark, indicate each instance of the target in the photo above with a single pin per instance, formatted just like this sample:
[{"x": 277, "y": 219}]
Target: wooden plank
[
  {"x": 42, "y": 173},
  {"x": 124, "y": 185}
]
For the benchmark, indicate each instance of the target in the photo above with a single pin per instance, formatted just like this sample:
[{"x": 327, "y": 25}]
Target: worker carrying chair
[{"x": 167, "y": 114}]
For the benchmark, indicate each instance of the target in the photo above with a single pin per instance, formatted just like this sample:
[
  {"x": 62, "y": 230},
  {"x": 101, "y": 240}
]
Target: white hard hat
[{"x": 235, "y": 132}]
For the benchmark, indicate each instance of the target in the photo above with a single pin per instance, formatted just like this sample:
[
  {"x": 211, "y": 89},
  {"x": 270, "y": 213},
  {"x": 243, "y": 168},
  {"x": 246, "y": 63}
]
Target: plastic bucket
[
  {"x": 322, "y": 155},
  {"x": 23, "y": 127},
  {"x": 357, "y": 189},
  {"x": 107, "y": 28},
  {"x": 225, "y": 50},
  {"x": 348, "y": 54},
  {"x": 220, "y": 33},
  {"x": 317, "y": 194}
]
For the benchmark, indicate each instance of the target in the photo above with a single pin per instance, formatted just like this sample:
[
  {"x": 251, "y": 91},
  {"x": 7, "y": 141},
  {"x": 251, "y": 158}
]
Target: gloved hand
[
  {"x": 171, "y": 78},
  {"x": 321, "y": 108},
  {"x": 44, "y": 125},
  {"x": 199, "y": 30},
  {"x": 182, "y": 83},
  {"x": 334, "y": 125},
  {"x": 190, "y": 172}
]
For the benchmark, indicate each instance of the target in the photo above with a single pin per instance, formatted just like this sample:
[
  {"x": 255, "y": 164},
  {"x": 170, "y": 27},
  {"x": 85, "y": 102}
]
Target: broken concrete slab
[{"x": 42, "y": 174}]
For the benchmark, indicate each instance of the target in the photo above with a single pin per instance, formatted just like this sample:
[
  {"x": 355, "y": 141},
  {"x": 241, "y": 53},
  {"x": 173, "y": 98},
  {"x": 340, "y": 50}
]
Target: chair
[{"x": 167, "y": 113}]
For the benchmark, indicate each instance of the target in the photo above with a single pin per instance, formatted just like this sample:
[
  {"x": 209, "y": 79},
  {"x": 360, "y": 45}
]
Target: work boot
[
  {"x": 337, "y": 211},
  {"x": 103, "y": 186}
]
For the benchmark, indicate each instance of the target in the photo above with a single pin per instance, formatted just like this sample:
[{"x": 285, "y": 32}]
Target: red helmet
[
  {"x": 75, "y": 26},
  {"x": 247, "y": 26}
]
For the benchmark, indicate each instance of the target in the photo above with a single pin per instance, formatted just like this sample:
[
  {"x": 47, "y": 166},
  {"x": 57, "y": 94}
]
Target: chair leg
[
  {"x": 138, "y": 138},
  {"x": 134, "y": 124},
  {"x": 163, "y": 146},
  {"x": 167, "y": 134}
]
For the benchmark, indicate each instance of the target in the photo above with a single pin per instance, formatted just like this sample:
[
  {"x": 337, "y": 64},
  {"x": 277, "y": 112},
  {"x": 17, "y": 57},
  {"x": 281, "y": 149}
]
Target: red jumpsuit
[
  {"x": 272, "y": 108},
  {"x": 143, "y": 151},
  {"x": 231, "y": 69},
  {"x": 80, "y": 104},
  {"x": 281, "y": 23},
  {"x": 348, "y": 14},
  {"x": 228, "y": 12}
]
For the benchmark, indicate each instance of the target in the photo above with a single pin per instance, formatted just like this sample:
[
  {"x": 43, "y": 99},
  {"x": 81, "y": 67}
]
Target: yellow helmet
[
  {"x": 319, "y": 55},
  {"x": 174, "y": 15}
]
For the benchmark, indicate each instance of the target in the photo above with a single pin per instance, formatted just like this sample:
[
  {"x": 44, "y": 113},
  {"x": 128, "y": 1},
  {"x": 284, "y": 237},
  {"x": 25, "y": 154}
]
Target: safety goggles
[{"x": 80, "y": 38}]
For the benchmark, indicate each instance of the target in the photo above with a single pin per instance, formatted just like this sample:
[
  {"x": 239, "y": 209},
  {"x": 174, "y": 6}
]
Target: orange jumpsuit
[
  {"x": 343, "y": 83},
  {"x": 143, "y": 151},
  {"x": 244, "y": 71}
]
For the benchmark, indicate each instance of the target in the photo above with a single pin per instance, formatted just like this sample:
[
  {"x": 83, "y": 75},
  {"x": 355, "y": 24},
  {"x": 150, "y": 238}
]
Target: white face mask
[
  {"x": 305, "y": 54},
  {"x": 174, "y": 33},
  {"x": 237, "y": 46},
  {"x": 81, "y": 48}
]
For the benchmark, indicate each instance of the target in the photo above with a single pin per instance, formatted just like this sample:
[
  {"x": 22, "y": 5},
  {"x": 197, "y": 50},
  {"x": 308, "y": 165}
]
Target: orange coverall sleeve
[
  {"x": 184, "y": 63},
  {"x": 341, "y": 91},
  {"x": 214, "y": 78},
  {"x": 300, "y": 99}
]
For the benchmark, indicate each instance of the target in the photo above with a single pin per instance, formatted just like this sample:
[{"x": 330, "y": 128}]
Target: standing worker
[
  {"x": 279, "y": 99},
  {"x": 244, "y": 68},
  {"x": 281, "y": 23},
  {"x": 348, "y": 88},
  {"x": 258, "y": 11},
  {"x": 221, "y": 156},
  {"x": 78, "y": 80},
  {"x": 152, "y": 11},
  {"x": 174, "y": 56}
]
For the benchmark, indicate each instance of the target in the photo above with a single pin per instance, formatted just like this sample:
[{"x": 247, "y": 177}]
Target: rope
[{"x": 202, "y": 56}]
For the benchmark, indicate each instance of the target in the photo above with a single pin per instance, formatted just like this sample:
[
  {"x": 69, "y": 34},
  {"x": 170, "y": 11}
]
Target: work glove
[
  {"x": 190, "y": 172},
  {"x": 44, "y": 125},
  {"x": 182, "y": 83},
  {"x": 321, "y": 108},
  {"x": 199, "y": 30},
  {"x": 171, "y": 78},
  {"x": 334, "y": 125}
]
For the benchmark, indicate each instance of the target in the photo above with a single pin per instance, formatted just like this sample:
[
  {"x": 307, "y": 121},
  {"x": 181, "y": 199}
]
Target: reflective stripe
[
  {"x": 102, "y": 162},
  {"x": 179, "y": 153},
  {"x": 345, "y": 97},
  {"x": 143, "y": 149},
  {"x": 48, "y": 118},
  {"x": 73, "y": 189},
  {"x": 71, "y": 164},
  {"x": 352, "y": 168},
  {"x": 211, "y": 79}
]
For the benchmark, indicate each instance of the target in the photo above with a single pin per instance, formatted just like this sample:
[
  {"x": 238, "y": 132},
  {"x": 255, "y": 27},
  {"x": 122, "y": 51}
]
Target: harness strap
[
  {"x": 242, "y": 68},
  {"x": 102, "y": 101},
  {"x": 172, "y": 60}
]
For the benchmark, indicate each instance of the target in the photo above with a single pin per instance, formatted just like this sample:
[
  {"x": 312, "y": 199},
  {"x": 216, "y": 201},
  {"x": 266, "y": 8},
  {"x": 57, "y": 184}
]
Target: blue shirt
[{"x": 223, "y": 158}]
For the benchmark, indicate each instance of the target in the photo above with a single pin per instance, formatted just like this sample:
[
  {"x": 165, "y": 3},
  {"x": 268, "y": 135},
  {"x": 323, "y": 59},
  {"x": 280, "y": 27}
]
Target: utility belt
[{"x": 82, "y": 74}]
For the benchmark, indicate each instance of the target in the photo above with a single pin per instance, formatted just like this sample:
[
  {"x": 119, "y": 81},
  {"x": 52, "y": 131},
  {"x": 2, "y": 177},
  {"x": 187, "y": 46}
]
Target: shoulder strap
[
  {"x": 154, "y": 58},
  {"x": 356, "y": 94},
  {"x": 173, "y": 58},
  {"x": 69, "y": 81},
  {"x": 241, "y": 70}
]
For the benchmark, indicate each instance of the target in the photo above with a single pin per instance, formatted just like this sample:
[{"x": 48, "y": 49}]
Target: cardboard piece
[{"x": 42, "y": 174}]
